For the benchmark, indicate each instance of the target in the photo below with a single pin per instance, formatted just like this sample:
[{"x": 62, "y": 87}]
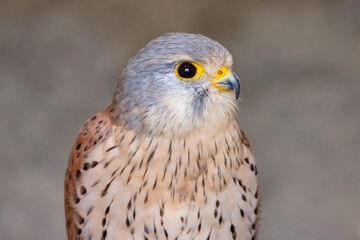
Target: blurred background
[{"x": 299, "y": 64}]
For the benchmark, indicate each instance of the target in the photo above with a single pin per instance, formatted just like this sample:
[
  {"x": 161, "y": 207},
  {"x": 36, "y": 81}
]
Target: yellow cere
[
  {"x": 199, "y": 71},
  {"x": 220, "y": 73}
]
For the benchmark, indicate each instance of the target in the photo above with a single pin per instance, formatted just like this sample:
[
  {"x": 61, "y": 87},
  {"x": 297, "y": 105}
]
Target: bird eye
[{"x": 188, "y": 70}]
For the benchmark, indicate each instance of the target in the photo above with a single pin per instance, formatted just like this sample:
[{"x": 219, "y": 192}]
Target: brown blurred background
[{"x": 299, "y": 63}]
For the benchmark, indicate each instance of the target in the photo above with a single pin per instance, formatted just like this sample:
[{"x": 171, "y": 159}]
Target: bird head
[{"x": 177, "y": 84}]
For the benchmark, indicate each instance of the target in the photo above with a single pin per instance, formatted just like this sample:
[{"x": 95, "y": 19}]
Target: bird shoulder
[{"x": 93, "y": 133}]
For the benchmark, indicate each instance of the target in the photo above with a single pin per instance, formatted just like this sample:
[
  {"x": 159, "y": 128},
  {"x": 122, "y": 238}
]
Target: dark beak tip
[
  {"x": 236, "y": 86},
  {"x": 237, "y": 93}
]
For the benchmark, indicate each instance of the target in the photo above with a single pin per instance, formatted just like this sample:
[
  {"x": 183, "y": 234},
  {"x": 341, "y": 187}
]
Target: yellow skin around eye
[{"x": 199, "y": 71}]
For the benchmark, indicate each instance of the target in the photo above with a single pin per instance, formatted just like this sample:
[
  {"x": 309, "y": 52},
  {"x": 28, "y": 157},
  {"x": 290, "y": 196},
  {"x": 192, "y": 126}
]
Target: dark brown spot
[
  {"x": 78, "y": 146},
  {"x": 113, "y": 173},
  {"x": 107, "y": 210},
  {"x": 107, "y": 164},
  {"x": 146, "y": 197},
  {"x": 78, "y": 174},
  {"x": 243, "y": 197},
  {"x": 170, "y": 147},
  {"x": 82, "y": 190},
  {"x": 242, "y": 212},
  {"x": 208, "y": 237},
  {"x": 113, "y": 147},
  {"x": 154, "y": 185},
  {"x": 104, "y": 233},
  {"x": 146, "y": 229},
  {"x": 161, "y": 212},
  {"x": 132, "y": 140},
  {"x": 104, "y": 192},
  {"x": 95, "y": 183},
  {"x": 155, "y": 231},
  {"x": 86, "y": 166},
  {"x": 234, "y": 179},
  {"x": 151, "y": 156},
  {"x": 128, "y": 180},
  {"x": 232, "y": 229}
]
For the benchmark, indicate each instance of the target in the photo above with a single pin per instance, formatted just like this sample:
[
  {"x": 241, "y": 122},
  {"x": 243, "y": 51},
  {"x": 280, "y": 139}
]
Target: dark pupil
[{"x": 187, "y": 70}]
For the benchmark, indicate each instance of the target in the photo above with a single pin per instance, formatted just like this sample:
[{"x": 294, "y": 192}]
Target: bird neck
[{"x": 159, "y": 124}]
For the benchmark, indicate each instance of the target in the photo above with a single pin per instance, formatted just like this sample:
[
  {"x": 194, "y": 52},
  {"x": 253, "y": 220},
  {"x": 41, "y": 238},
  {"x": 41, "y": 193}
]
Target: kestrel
[{"x": 166, "y": 159}]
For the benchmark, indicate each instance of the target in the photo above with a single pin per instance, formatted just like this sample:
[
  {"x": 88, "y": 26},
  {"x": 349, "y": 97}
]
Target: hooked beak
[{"x": 225, "y": 80}]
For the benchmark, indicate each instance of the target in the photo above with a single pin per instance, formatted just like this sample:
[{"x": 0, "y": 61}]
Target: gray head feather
[{"x": 147, "y": 82}]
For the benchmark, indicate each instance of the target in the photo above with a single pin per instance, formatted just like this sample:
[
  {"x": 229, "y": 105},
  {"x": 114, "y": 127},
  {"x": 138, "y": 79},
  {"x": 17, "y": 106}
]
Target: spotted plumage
[{"x": 166, "y": 159}]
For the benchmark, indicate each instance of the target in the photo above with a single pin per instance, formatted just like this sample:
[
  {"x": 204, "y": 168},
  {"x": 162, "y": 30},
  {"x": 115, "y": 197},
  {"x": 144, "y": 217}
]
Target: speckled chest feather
[{"x": 124, "y": 185}]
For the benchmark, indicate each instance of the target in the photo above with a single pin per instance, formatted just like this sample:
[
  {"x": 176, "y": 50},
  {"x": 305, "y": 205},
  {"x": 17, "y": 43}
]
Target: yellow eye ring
[{"x": 189, "y": 70}]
